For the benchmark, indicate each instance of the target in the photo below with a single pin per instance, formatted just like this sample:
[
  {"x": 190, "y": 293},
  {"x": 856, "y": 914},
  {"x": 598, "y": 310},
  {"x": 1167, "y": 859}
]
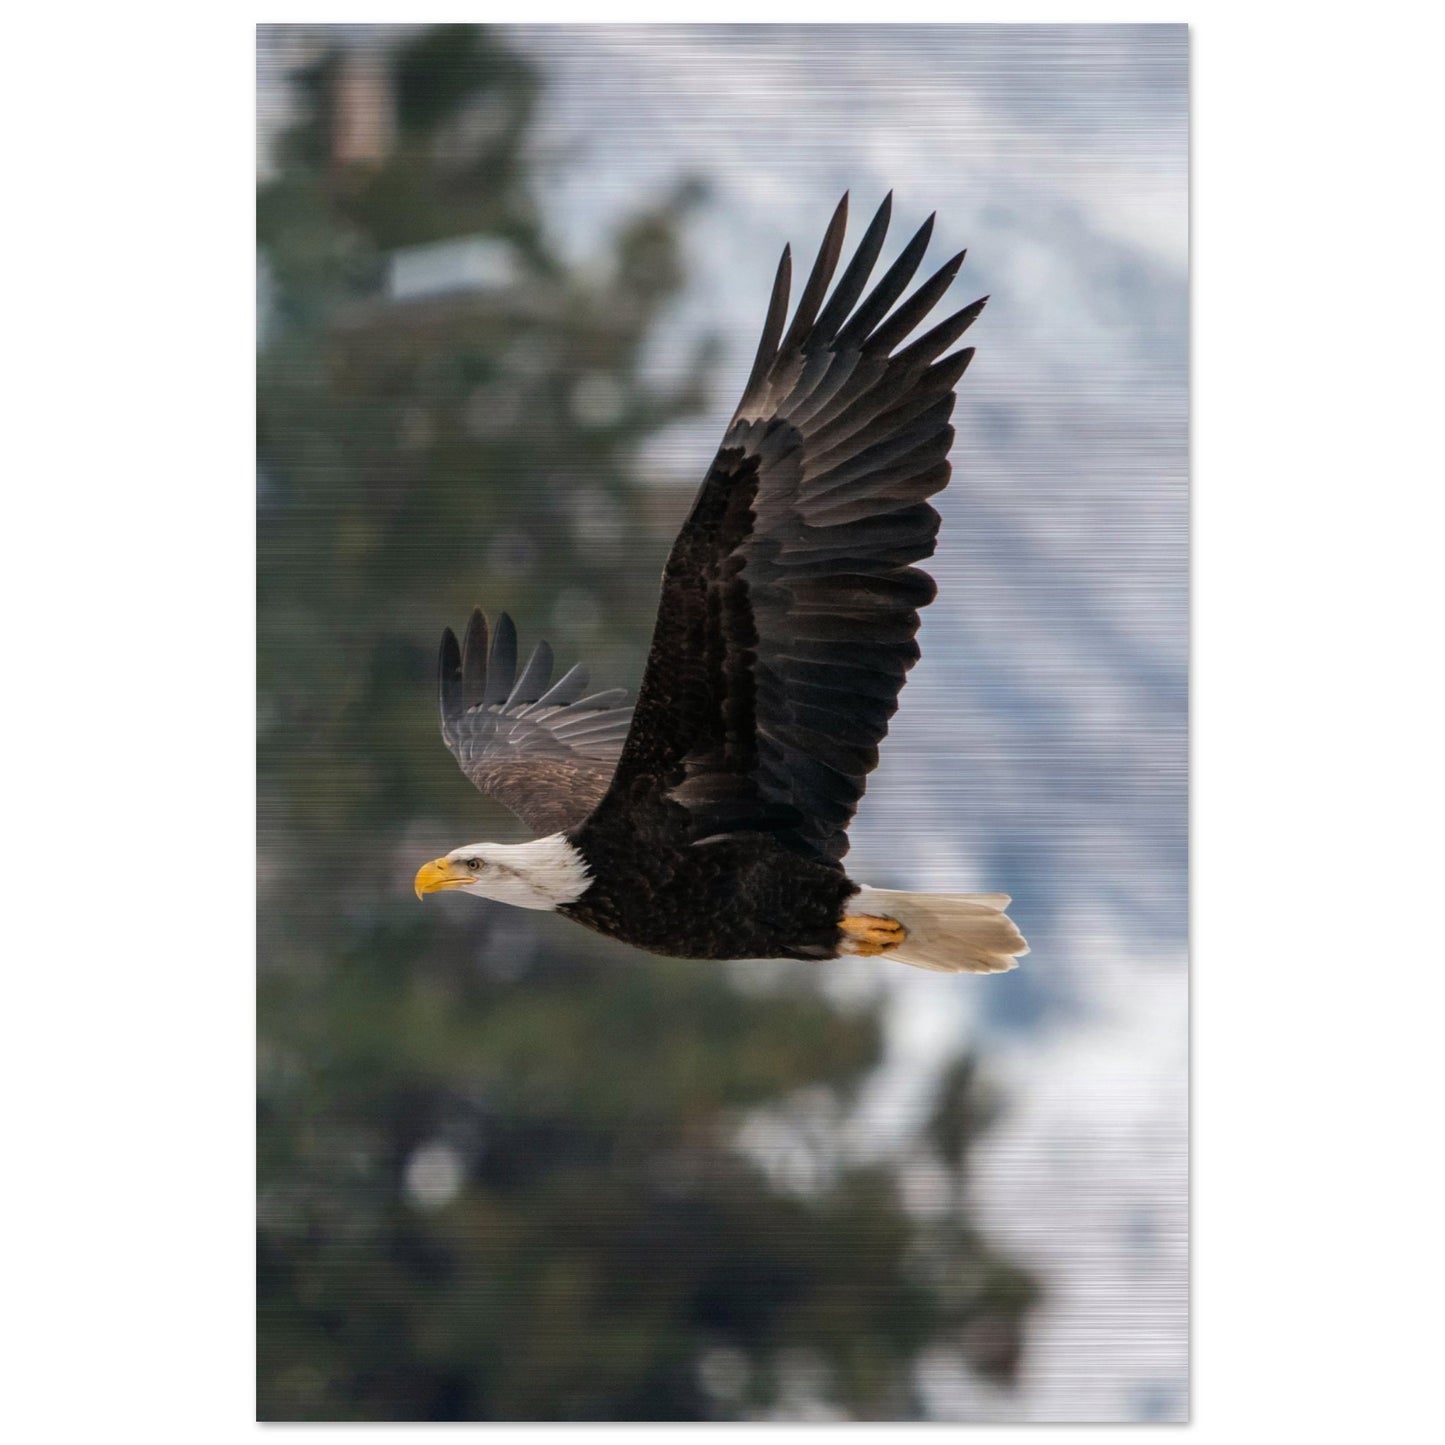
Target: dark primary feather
[
  {"x": 790, "y": 603},
  {"x": 541, "y": 748}
]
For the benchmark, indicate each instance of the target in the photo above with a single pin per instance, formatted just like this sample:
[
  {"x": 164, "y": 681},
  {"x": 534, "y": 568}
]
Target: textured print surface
[{"x": 505, "y": 391}]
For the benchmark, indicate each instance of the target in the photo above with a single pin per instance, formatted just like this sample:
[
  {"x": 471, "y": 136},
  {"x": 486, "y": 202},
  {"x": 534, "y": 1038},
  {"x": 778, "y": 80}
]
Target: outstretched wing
[
  {"x": 789, "y": 603},
  {"x": 541, "y": 748}
]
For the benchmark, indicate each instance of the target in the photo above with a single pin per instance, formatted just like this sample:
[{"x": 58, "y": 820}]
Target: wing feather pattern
[
  {"x": 789, "y": 607},
  {"x": 542, "y": 749}
]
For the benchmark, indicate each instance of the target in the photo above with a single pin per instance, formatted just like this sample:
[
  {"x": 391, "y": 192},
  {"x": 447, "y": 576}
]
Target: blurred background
[{"x": 509, "y": 286}]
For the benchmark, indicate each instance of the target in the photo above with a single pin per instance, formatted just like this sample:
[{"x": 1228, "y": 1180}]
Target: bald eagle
[{"x": 710, "y": 819}]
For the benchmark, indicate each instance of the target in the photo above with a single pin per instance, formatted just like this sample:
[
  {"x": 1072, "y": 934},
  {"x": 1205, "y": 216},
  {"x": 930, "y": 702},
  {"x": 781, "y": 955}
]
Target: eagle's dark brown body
[{"x": 741, "y": 896}]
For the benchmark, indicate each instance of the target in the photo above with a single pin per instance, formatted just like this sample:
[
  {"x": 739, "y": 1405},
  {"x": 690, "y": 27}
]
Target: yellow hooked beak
[{"x": 442, "y": 873}]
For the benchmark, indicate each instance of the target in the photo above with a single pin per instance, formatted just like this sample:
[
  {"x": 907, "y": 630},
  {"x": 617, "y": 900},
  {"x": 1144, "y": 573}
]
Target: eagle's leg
[{"x": 867, "y": 935}]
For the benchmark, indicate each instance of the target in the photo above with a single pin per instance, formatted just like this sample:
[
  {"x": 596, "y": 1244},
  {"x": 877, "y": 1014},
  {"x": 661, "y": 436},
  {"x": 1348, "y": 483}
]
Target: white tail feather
[{"x": 947, "y": 932}]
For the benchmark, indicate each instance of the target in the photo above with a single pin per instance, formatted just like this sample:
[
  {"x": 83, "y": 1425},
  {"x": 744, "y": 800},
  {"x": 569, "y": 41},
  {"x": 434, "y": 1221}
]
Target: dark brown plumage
[
  {"x": 785, "y": 630},
  {"x": 789, "y": 606}
]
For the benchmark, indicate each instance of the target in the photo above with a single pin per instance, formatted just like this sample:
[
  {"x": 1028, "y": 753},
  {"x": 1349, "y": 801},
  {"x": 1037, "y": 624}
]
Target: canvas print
[{"x": 722, "y": 703}]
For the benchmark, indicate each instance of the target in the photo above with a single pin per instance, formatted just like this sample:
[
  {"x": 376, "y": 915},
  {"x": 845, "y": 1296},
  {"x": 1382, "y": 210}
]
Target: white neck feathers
[{"x": 542, "y": 874}]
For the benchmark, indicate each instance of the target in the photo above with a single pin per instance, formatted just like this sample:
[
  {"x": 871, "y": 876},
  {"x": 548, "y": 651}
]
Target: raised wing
[
  {"x": 541, "y": 748},
  {"x": 789, "y": 603}
]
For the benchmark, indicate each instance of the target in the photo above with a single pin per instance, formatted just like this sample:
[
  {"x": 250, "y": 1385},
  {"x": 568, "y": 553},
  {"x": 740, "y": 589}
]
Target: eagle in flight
[{"x": 709, "y": 820}]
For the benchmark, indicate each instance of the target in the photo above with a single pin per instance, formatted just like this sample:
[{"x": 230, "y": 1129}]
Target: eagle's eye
[{"x": 474, "y": 864}]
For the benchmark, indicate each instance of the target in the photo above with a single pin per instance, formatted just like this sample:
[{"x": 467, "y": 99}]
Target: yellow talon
[{"x": 867, "y": 936}]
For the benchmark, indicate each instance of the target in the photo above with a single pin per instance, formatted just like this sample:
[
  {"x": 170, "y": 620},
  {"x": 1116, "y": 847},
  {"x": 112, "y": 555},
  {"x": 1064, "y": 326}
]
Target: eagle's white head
[{"x": 545, "y": 873}]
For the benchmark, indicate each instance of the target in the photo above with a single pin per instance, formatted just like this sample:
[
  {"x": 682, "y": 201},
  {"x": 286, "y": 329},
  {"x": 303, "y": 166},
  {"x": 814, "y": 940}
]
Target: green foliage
[{"x": 599, "y": 1235}]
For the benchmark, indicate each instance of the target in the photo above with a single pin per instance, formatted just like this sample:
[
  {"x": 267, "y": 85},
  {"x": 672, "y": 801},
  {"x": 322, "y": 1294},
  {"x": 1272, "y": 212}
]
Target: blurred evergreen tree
[{"x": 497, "y": 1173}]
